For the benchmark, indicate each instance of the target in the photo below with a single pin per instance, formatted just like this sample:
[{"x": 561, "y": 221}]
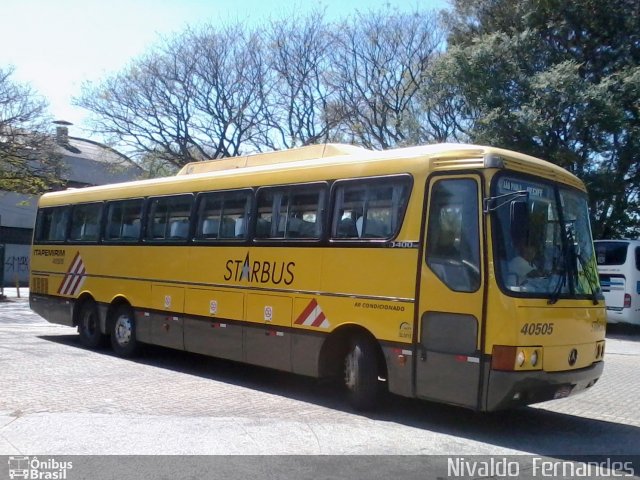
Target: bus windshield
[{"x": 547, "y": 251}]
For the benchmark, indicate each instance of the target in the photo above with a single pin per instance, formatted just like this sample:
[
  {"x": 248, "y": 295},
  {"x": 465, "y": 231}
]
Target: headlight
[
  {"x": 509, "y": 358},
  {"x": 520, "y": 358},
  {"x": 534, "y": 358}
]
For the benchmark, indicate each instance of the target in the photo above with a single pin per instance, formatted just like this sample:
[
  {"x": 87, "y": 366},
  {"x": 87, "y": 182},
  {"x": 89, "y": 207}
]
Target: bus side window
[
  {"x": 168, "y": 217},
  {"x": 223, "y": 215},
  {"x": 123, "y": 220},
  {"x": 291, "y": 212},
  {"x": 305, "y": 215},
  {"x": 264, "y": 202},
  {"x": 369, "y": 209},
  {"x": 85, "y": 222},
  {"x": 52, "y": 224}
]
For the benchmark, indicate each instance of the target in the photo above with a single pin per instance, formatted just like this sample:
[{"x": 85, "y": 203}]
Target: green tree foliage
[
  {"x": 28, "y": 163},
  {"x": 559, "y": 80}
]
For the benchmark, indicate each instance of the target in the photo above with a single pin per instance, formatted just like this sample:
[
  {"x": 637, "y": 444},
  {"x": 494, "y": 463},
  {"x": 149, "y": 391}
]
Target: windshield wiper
[
  {"x": 590, "y": 280},
  {"x": 566, "y": 250},
  {"x": 555, "y": 295},
  {"x": 575, "y": 254},
  {"x": 570, "y": 256}
]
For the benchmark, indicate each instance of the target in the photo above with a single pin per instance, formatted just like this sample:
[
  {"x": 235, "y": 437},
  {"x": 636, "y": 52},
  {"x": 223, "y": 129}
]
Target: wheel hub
[
  {"x": 123, "y": 330},
  {"x": 350, "y": 371}
]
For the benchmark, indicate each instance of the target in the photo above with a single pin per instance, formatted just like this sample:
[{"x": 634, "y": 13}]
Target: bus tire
[
  {"x": 123, "y": 332},
  {"x": 361, "y": 374},
  {"x": 89, "y": 325}
]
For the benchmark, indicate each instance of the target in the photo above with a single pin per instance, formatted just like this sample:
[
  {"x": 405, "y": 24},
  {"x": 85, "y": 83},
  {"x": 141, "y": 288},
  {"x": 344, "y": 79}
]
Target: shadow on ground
[{"x": 623, "y": 331}]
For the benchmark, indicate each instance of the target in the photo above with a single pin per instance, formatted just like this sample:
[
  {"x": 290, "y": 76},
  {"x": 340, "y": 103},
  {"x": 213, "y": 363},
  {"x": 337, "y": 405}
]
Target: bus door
[{"x": 451, "y": 293}]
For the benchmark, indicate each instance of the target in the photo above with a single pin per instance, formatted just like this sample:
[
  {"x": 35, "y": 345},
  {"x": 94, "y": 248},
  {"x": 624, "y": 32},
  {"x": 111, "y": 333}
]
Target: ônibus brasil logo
[{"x": 33, "y": 468}]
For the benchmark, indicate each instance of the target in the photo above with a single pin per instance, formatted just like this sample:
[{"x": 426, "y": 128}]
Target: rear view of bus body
[{"x": 619, "y": 270}]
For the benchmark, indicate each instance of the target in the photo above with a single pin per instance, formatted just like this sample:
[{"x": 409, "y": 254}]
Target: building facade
[{"x": 85, "y": 163}]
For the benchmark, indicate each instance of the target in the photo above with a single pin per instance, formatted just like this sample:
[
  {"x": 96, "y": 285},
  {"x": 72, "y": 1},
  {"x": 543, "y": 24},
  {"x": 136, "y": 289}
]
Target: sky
[{"x": 56, "y": 45}]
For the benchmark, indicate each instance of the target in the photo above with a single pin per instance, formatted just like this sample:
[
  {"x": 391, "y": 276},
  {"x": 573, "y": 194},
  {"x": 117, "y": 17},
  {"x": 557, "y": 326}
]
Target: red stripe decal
[
  {"x": 73, "y": 285},
  {"x": 65, "y": 280},
  {"x": 318, "y": 321},
  {"x": 306, "y": 312}
]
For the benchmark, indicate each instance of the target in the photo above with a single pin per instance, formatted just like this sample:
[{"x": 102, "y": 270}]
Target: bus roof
[
  {"x": 326, "y": 159},
  {"x": 311, "y": 152}
]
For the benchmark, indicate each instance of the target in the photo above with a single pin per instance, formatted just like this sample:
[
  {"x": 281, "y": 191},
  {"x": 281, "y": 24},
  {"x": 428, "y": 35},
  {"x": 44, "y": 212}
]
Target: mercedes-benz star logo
[{"x": 573, "y": 357}]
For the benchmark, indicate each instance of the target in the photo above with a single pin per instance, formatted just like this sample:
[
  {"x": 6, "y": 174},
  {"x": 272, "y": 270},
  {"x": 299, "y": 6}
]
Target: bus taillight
[{"x": 503, "y": 357}]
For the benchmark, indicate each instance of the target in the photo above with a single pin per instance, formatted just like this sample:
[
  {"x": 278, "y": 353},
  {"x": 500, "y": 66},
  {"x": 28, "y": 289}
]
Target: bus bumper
[
  {"x": 512, "y": 389},
  {"x": 623, "y": 315},
  {"x": 52, "y": 309}
]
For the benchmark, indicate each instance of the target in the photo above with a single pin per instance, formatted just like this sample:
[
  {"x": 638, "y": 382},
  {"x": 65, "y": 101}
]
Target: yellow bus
[{"x": 453, "y": 273}]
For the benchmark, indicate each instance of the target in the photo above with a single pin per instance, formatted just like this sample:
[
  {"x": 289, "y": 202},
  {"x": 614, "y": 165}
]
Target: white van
[{"x": 619, "y": 269}]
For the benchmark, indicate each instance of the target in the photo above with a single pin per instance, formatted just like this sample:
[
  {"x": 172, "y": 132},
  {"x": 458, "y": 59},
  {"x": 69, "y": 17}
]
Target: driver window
[{"x": 453, "y": 247}]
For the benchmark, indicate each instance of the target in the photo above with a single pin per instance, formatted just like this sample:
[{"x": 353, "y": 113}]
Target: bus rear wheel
[
  {"x": 89, "y": 326},
  {"x": 123, "y": 332},
  {"x": 361, "y": 374}
]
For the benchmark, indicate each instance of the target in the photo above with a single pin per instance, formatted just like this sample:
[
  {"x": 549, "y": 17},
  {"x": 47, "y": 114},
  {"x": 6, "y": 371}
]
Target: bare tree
[
  {"x": 148, "y": 107},
  {"x": 220, "y": 91},
  {"x": 196, "y": 97},
  {"x": 379, "y": 66},
  {"x": 441, "y": 113},
  {"x": 297, "y": 105},
  {"x": 230, "y": 95},
  {"x": 28, "y": 162}
]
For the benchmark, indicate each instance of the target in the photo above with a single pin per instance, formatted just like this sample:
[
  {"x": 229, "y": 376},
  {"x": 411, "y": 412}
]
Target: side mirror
[{"x": 519, "y": 227}]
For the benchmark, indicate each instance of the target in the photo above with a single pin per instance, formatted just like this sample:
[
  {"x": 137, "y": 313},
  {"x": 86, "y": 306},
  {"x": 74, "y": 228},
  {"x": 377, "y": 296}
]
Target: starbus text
[{"x": 260, "y": 272}]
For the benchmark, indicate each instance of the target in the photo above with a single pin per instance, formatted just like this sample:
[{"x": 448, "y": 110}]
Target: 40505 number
[{"x": 537, "y": 329}]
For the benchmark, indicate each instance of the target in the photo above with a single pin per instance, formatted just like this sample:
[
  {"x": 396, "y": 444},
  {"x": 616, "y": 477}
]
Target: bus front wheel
[
  {"x": 89, "y": 326},
  {"x": 123, "y": 332},
  {"x": 361, "y": 374}
]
